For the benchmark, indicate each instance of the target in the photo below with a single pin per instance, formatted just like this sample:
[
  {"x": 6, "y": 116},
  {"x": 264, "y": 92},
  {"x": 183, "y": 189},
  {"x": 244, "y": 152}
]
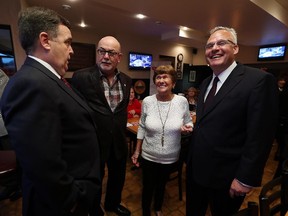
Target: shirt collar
[
  {"x": 224, "y": 75},
  {"x": 45, "y": 64},
  {"x": 117, "y": 73}
]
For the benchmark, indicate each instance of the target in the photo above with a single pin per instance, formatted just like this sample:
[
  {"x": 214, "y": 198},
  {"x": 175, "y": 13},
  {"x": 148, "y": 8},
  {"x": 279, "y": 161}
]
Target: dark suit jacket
[
  {"x": 283, "y": 108},
  {"x": 111, "y": 125},
  {"x": 54, "y": 136},
  {"x": 233, "y": 137},
  {"x": 283, "y": 124}
]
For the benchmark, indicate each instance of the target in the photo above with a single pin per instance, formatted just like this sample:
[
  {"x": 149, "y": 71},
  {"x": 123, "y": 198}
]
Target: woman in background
[
  {"x": 192, "y": 98},
  {"x": 134, "y": 106},
  {"x": 164, "y": 116}
]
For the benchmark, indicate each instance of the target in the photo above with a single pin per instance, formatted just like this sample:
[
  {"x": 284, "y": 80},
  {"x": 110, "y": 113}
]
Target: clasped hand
[
  {"x": 237, "y": 189},
  {"x": 186, "y": 129}
]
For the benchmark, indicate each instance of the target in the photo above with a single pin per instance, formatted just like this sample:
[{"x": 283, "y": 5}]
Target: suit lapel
[
  {"x": 201, "y": 97},
  {"x": 99, "y": 89},
  {"x": 232, "y": 80},
  {"x": 125, "y": 89},
  {"x": 61, "y": 84}
]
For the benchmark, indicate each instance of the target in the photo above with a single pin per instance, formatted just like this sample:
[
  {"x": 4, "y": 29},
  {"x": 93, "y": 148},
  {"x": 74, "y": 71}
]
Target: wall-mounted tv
[
  {"x": 139, "y": 61},
  {"x": 272, "y": 52}
]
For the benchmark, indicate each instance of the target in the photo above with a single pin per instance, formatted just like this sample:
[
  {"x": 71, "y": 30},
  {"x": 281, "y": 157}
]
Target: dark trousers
[
  {"x": 282, "y": 140},
  {"x": 199, "y": 197},
  {"x": 115, "y": 182},
  {"x": 9, "y": 183},
  {"x": 154, "y": 177}
]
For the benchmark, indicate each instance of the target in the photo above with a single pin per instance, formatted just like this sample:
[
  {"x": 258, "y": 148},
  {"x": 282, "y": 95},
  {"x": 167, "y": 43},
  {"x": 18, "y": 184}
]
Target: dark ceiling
[{"x": 258, "y": 22}]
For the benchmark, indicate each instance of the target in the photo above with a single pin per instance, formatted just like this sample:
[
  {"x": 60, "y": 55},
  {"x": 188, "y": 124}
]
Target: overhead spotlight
[
  {"x": 66, "y": 7},
  {"x": 140, "y": 16},
  {"x": 82, "y": 24}
]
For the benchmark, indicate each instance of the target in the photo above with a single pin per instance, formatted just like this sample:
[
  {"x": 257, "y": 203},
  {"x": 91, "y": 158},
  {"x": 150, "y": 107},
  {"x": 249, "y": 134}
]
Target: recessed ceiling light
[
  {"x": 185, "y": 28},
  {"x": 140, "y": 16},
  {"x": 82, "y": 24}
]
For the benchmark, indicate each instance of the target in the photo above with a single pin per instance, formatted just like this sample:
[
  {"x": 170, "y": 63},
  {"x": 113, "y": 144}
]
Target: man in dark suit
[
  {"x": 107, "y": 90},
  {"x": 50, "y": 127},
  {"x": 234, "y": 131}
]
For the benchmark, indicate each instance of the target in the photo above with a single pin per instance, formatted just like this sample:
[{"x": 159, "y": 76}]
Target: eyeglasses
[
  {"x": 103, "y": 52},
  {"x": 219, "y": 43}
]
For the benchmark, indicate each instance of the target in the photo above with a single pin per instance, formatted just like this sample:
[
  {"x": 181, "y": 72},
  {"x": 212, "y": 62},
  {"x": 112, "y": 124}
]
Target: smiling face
[
  {"x": 164, "y": 79},
  {"x": 220, "y": 51},
  {"x": 164, "y": 83}
]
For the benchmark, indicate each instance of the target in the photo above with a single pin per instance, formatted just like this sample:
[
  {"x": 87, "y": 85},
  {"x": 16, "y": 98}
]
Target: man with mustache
[{"x": 107, "y": 90}]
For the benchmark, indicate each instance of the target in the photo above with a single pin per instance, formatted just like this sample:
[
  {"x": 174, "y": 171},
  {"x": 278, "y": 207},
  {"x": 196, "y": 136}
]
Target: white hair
[{"x": 231, "y": 30}]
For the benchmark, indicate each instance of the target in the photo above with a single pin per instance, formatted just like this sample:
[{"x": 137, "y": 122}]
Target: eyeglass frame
[
  {"x": 111, "y": 53},
  {"x": 219, "y": 43}
]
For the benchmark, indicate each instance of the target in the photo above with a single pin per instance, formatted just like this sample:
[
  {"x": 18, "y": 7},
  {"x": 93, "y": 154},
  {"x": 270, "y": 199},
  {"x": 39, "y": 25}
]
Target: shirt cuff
[{"x": 245, "y": 185}]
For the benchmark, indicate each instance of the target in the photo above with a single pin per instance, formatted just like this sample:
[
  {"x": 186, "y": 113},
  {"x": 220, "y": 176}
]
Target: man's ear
[
  {"x": 119, "y": 57},
  {"x": 44, "y": 40},
  {"x": 236, "y": 49}
]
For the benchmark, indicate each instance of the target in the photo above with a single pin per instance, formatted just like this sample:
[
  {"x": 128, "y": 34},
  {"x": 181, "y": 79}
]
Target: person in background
[
  {"x": 234, "y": 130},
  {"x": 134, "y": 106},
  {"x": 10, "y": 185},
  {"x": 281, "y": 83},
  {"x": 107, "y": 91},
  {"x": 192, "y": 99},
  {"x": 279, "y": 132},
  {"x": 4, "y": 140},
  {"x": 164, "y": 115},
  {"x": 282, "y": 129},
  {"x": 50, "y": 127}
]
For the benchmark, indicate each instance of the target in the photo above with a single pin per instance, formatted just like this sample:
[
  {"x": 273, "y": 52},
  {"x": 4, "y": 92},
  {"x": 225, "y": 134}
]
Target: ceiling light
[
  {"x": 184, "y": 28},
  {"x": 140, "y": 16},
  {"x": 82, "y": 24},
  {"x": 66, "y": 7}
]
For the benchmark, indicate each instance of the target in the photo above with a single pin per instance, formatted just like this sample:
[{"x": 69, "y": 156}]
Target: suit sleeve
[
  {"x": 32, "y": 113},
  {"x": 262, "y": 115}
]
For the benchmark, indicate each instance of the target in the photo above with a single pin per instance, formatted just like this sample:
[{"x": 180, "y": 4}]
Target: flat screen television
[
  {"x": 272, "y": 52},
  {"x": 139, "y": 61},
  {"x": 7, "y": 63}
]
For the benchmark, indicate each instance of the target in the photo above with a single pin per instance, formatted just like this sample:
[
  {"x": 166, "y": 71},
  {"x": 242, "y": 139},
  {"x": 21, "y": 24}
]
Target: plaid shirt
[{"x": 113, "y": 93}]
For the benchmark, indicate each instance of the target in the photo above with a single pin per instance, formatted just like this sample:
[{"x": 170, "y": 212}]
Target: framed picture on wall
[{"x": 192, "y": 76}]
